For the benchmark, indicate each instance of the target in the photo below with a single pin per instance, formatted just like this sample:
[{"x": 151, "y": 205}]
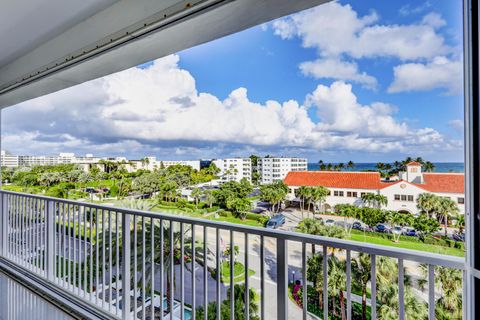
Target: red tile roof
[
  {"x": 433, "y": 182},
  {"x": 414, "y": 163},
  {"x": 443, "y": 182},
  {"x": 334, "y": 179}
]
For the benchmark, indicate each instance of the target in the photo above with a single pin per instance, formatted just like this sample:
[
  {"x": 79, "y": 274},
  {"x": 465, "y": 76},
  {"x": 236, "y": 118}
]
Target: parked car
[
  {"x": 382, "y": 228},
  {"x": 397, "y": 230},
  {"x": 258, "y": 210},
  {"x": 276, "y": 221},
  {"x": 330, "y": 222},
  {"x": 407, "y": 231},
  {"x": 457, "y": 236},
  {"x": 357, "y": 226}
]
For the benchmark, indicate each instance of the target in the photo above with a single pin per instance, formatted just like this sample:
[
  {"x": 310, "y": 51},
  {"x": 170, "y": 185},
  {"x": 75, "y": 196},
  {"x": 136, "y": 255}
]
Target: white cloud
[
  {"x": 338, "y": 70},
  {"x": 335, "y": 29},
  {"x": 440, "y": 73},
  {"x": 159, "y": 110},
  {"x": 456, "y": 125},
  {"x": 338, "y": 109},
  {"x": 409, "y": 9},
  {"x": 341, "y": 36}
]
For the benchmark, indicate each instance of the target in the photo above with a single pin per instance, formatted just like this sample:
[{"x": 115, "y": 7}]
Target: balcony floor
[{"x": 17, "y": 302}]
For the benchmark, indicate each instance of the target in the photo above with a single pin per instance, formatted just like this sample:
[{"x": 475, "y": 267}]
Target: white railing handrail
[{"x": 399, "y": 253}]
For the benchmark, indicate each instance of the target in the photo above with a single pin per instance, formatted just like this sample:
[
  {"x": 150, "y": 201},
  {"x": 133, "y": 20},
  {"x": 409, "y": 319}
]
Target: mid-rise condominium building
[
  {"x": 276, "y": 169},
  {"x": 234, "y": 169}
]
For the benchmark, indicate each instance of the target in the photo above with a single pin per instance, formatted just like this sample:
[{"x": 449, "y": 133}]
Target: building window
[
  {"x": 397, "y": 197},
  {"x": 354, "y": 194},
  {"x": 410, "y": 198},
  {"x": 461, "y": 200},
  {"x": 403, "y": 197},
  {"x": 338, "y": 193},
  {"x": 349, "y": 194}
]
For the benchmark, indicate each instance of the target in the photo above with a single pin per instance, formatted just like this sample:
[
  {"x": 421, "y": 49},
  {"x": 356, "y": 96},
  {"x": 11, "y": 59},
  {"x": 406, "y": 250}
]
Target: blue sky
[{"x": 383, "y": 83}]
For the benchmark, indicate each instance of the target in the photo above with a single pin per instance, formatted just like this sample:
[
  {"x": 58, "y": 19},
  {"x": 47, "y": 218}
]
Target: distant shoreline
[{"x": 439, "y": 167}]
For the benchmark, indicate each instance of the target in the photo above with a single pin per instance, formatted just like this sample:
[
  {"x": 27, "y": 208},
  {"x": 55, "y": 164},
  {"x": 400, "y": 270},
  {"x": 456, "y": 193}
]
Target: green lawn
[
  {"x": 238, "y": 271},
  {"x": 405, "y": 244},
  {"x": 201, "y": 214}
]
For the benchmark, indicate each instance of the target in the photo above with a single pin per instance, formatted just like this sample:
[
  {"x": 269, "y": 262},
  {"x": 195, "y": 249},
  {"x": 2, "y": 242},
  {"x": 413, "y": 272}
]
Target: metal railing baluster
[
  {"x": 325, "y": 282},
  {"x": 304, "y": 280},
  {"x": 232, "y": 282},
  {"x": 152, "y": 267},
  {"x": 162, "y": 267},
  {"x": 431, "y": 292},
  {"x": 144, "y": 271},
  {"x": 247, "y": 288},
  {"x": 282, "y": 279},
  {"x": 110, "y": 257},
  {"x": 219, "y": 273},
  {"x": 373, "y": 289},
  {"x": 262, "y": 277},
  {"x": 205, "y": 273},
  {"x": 117, "y": 260},
  {"x": 401, "y": 291},
  {"x": 182, "y": 273},
  {"x": 349, "y": 284},
  {"x": 172, "y": 270}
]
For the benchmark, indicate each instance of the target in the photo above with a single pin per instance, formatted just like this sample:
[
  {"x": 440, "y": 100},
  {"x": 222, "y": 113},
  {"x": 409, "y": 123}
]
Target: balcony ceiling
[
  {"x": 48, "y": 45},
  {"x": 46, "y": 20}
]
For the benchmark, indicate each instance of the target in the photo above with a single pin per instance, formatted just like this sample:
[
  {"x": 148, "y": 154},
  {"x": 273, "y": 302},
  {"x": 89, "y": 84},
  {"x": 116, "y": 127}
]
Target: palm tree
[
  {"x": 310, "y": 226},
  {"x": 157, "y": 258},
  {"x": 350, "y": 164},
  {"x": 315, "y": 275},
  {"x": 447, "y": 208},
  {"x": 302, "y": 193},
  {"x": 427, "y": 202},
  {"x": 428, "y": 166},
  {"x": 449, "y": 281},
  {"x": 361, "y": 268},
  {"x": 336, "y": 279},
  {"x": 209, "y": 197},
  {"x": 318, "y": 195},
  {"x": 197, "y": 193}
]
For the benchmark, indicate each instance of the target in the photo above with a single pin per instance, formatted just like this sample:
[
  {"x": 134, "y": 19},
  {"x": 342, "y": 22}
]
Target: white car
[
  {"x": 397, "y": 230},
  {"x": 330, "y": 222}
]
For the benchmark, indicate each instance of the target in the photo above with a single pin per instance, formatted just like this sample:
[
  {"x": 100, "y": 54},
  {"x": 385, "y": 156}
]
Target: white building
[
  {"x": 275, "y": 169},
  {"x": 195, "y": 164},
  {"x": 402, "y": 195},
  {"x": 9, "y": 160},
  {"x": 234, "y": 169}
]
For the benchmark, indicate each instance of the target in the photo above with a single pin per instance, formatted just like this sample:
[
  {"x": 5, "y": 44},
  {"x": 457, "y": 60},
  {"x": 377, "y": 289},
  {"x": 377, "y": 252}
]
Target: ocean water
[{"x": 439, "y": 167}]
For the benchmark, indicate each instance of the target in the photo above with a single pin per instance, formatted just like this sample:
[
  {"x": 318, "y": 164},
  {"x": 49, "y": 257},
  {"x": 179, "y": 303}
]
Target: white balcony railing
[{"x": 129, "y": 264}]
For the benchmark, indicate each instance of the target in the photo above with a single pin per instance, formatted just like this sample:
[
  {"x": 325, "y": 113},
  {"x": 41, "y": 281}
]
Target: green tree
[
  {"x": 209, "y": 197},
  {"x": 372, "y": 216},
  {"x": 239, "y": 306},
  {"x": 425, "y": 226},
  {"x": 239, "y": 207},
  {"x": 361, "y": 269},
  {"x": 197, "y": 194},
  {"x": 427, "y": 203},
  {"x": 318, "y": 195},
  {"x": 397, "y": 219},
  {"x": 348, "y": 212},
  {"x": 303, "y": 193},
  {"x": 274, "y": 193},
  {"x": 446, "y": 209}
]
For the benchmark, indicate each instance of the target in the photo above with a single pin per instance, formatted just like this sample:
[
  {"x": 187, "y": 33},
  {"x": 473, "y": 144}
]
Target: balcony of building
[{"x": 100, "y": 262}]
